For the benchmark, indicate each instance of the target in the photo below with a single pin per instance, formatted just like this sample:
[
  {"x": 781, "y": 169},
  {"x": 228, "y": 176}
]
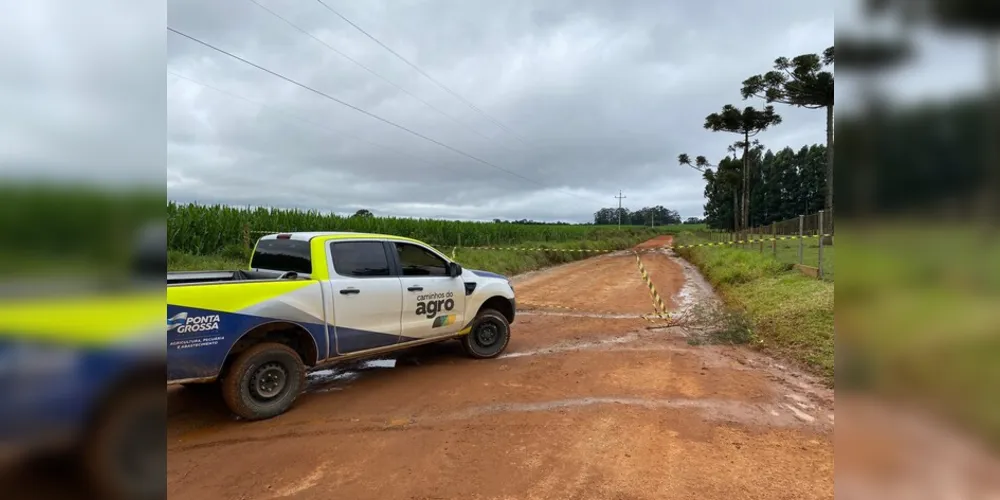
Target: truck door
[
  {"x": 367, "y": 296},
  {"x": 433, "y": 302}
]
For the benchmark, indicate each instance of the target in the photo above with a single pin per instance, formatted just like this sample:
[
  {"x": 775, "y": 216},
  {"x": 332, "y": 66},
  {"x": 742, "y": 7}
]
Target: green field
[
  {"x": 791, "y": 314},
  {"x": 214, "y": 230},
  {"x": 218, "y": 237},
  {"x": 917, "y": 313},
  {"x": 508, "y": 262},
  {"x": 785, "y": 251},
  {"x": 70, "y": 230}
]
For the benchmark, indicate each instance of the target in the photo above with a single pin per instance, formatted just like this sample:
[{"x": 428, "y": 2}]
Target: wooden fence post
[
  {"x": 801, "y": 235},
  {"x": 774, "y": 239},
  {"x": 820, "y": 263}
]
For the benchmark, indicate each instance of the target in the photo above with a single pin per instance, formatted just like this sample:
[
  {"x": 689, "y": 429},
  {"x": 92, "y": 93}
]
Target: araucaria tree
[
  {"x": 783, "y": 184},
  {"x": 748, "y": 123},
  {"x": 714, "y": 184},
  {"x": 804, "y": 82},
  {"x": 700, "y": 163}
]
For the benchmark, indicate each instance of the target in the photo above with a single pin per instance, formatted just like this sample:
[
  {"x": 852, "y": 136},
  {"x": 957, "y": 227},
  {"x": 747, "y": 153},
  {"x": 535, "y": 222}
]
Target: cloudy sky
[
  {"x": 591, "y": 96},
  {"x": 594, "y": 96}
]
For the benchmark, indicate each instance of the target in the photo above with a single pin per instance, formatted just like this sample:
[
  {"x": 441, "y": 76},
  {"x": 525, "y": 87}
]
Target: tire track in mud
[{"x": 720, "y": 410}]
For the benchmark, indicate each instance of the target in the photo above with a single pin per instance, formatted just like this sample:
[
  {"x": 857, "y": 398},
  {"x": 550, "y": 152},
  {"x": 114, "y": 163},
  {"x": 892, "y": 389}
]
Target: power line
[
  {"x": 304, "y": 120},
  {"x": 362, "y": 111},
  {"x": 366, "y": 68},
  {"x": 422, "y": 72},
  {"x": 620, "y": 197},
  {"x": 349, "y": 105},
  {"x": 307, "y": 121}
]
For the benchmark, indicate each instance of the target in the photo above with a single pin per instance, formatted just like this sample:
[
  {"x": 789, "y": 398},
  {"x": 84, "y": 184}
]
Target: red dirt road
[{"x": 578, "y": 407}]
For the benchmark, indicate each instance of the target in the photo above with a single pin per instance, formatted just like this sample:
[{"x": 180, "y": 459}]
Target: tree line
[
  {"x": 364, "y": 212},
  {"x": 529, "y": 222},
  {"x": 934, "y": 154},
  {"x": 754, "y": 187},
  {"x": 643, "y": 217},
  {"x": 781, "y": 186}
]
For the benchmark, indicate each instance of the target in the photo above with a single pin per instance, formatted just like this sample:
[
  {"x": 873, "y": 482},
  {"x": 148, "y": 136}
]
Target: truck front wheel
[
  {"x": 489, "y": 336},
  {"x": 263, "y": 381}
]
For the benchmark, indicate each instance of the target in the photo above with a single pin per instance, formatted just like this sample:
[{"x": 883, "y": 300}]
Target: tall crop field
[
  {"x": 208, "y": 230},
  {"x": 72, "y": 229}
]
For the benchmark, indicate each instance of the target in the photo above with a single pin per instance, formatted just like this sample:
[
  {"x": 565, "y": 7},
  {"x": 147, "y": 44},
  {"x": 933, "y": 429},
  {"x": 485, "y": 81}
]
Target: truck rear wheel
[
  {"x": 489, "y": 336},
  {"x": 124, "y": 455},
  {"x": 263, "y": 381}
]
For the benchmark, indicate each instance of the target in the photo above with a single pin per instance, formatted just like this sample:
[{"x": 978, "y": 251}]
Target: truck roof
[{"x": 332, "y": 235}]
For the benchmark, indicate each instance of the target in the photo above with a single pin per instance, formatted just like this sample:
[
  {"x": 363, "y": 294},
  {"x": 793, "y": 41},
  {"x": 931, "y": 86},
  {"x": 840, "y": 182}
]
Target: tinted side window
[
  {"x": 360, "y": 259},
  {"x": 417, "y": 261},
  {"x": 282, "y": 255}
]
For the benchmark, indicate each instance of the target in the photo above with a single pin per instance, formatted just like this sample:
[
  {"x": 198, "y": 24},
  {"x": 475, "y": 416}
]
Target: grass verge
[
  {"x": 791, "y": 314},
  {"x": 918, "y": 317},
  {"x": 787, "y": 251}
]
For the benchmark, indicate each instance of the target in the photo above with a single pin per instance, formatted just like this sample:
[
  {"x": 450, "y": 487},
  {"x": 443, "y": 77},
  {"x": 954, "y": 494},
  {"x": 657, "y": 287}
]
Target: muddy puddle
[
  {"x": 541, "y": 311},
  {"x": 575, "y": 346},
  {"x": 337, "y": 378},
  {"x": 758, "y": 414}
]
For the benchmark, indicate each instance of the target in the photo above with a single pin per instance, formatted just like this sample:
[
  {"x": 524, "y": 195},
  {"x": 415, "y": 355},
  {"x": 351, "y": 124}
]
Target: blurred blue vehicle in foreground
[{"x": 83, "y": 372}]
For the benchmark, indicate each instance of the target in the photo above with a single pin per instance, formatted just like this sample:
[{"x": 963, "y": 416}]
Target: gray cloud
[
  {"x": 604, "y": 94},
  {"x": 81, "y": 91}
]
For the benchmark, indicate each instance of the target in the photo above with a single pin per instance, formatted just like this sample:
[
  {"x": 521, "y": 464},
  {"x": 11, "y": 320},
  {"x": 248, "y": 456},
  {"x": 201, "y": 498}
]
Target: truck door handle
[
  {"x": 415, "y": 288},
  {"x": 348, "y": 291}
]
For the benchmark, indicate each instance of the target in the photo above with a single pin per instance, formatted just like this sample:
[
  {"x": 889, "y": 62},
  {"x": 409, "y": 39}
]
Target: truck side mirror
[{"x": 454, "y": 269}]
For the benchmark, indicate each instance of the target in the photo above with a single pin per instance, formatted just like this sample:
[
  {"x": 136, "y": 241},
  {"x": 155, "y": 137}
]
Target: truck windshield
[{"x": 282, "y": 255}]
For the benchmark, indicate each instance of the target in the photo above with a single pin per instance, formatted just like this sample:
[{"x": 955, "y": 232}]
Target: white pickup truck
[{"x": 309, "y": 300}]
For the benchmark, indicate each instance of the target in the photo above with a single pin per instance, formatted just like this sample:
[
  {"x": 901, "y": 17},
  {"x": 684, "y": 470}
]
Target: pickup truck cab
[{"x": 313, "y": 299}]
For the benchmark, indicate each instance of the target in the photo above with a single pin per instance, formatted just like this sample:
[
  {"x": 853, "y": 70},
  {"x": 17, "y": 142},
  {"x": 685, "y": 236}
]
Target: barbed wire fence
[{"x": 806, "y": 241}]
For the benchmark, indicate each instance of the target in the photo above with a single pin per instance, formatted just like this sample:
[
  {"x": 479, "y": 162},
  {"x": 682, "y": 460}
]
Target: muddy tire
[
  {"x": 124, "y": 455},
  {"x": 489, "y": 336},
  {"x": 263, "y": 381}
]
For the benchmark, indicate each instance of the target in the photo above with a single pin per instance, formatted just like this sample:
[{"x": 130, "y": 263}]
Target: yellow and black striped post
[{"x": 659, "y": 309}]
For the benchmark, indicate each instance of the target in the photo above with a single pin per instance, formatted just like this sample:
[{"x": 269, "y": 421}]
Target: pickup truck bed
[{"x": 189, "y": 277}]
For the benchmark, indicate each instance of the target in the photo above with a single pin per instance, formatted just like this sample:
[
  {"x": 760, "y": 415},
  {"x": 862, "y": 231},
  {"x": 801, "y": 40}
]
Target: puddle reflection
[{"x": 337, "y": 378}]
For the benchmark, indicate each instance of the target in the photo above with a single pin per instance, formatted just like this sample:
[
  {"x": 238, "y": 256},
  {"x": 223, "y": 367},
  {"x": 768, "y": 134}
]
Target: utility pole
[{"x": 620, "y": 197}]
